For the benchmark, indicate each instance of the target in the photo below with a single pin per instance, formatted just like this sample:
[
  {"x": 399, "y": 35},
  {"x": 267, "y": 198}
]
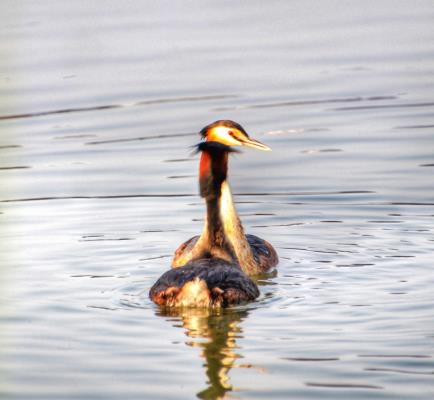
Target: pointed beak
[{"x": 249, "y": 142}]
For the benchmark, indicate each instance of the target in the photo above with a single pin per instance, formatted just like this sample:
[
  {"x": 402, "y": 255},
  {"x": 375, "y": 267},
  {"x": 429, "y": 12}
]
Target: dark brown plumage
[
  {"x": 209, "y": 282},
  {"x": 263, "y": 252}
]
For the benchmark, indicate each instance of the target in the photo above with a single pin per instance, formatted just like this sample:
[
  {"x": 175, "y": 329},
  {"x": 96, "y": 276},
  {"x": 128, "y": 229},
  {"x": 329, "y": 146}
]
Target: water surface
[{"x": 99, "y": 108}]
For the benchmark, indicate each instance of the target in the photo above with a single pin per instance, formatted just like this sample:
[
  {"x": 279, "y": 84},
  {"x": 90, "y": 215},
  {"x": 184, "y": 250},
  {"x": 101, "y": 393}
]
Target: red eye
[{"x": 230, "y": 133}]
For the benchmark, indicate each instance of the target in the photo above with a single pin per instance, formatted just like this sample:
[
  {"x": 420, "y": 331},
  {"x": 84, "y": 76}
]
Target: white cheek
[
  {"x": 231, "y": 141},
  {"x": 223, "y": 134}
]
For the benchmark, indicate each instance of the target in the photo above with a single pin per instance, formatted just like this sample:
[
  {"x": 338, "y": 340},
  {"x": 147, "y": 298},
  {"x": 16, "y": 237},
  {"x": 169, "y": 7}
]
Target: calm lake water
[{"x": 99, "y": 105}]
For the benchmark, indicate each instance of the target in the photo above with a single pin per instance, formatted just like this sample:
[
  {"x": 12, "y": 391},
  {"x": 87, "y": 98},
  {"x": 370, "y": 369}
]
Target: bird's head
[{"x": 231, "y": 134}]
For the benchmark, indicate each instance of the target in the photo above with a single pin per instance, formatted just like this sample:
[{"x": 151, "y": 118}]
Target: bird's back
[{"x": 209, "y": 282}]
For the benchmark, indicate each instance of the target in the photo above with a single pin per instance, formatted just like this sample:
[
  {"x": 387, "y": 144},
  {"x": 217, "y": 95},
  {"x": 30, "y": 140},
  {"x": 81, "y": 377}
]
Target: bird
[
  {"x": 215, "y": 268},
  {"x": 223, "y": 233},
  {"x": 208, "y": 282},
  {"x": 216, "y": 278}
]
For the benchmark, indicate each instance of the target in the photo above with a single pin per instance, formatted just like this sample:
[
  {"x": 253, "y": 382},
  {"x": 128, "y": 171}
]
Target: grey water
[{"x": 100, "y": 103}]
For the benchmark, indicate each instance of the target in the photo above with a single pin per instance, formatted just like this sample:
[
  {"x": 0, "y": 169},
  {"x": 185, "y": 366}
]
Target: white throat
[{"x": 234, "y": 230}]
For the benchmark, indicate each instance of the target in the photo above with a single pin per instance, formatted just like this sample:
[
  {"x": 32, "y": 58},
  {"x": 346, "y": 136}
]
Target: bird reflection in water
[{"x": 220, "y": 328}]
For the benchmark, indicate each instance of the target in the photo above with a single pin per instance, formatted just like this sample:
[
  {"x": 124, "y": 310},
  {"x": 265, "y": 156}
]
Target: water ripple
[
  {"x": 15, "y": 167},
  {"x": 343, "y": 385},
  {"x": 307, "y": 102},
  {"x": 311, "y": 359},
  {"x": 140, "y": 138},
  {"x": 151, "y": 195},
  {"x": 376, "y": 107},
  {"x": 114, "y": 106},
  {"x": 400, "y": 371}
]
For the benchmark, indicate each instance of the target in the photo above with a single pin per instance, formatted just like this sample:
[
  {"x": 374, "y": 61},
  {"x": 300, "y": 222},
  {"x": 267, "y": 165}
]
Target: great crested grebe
[
  {"x": 223, "y": 234},
  {"x": 211, "y": 270},
  {"x": 215, "y": 279}
]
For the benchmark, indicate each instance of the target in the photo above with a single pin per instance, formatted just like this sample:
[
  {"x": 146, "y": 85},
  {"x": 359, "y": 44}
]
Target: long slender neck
[
  {"x": 212, "y": 172},
  {"x": 213, "y": 169},
  {"x": 223, "y": 232},
  {"x": 234, "y": 232}
]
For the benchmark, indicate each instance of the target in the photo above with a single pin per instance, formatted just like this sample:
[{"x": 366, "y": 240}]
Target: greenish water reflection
[{"x": 220, "y": 328}]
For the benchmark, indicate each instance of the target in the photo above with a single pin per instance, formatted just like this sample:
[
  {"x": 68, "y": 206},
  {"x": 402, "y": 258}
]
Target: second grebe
[{"x": 223, "y": 234}]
